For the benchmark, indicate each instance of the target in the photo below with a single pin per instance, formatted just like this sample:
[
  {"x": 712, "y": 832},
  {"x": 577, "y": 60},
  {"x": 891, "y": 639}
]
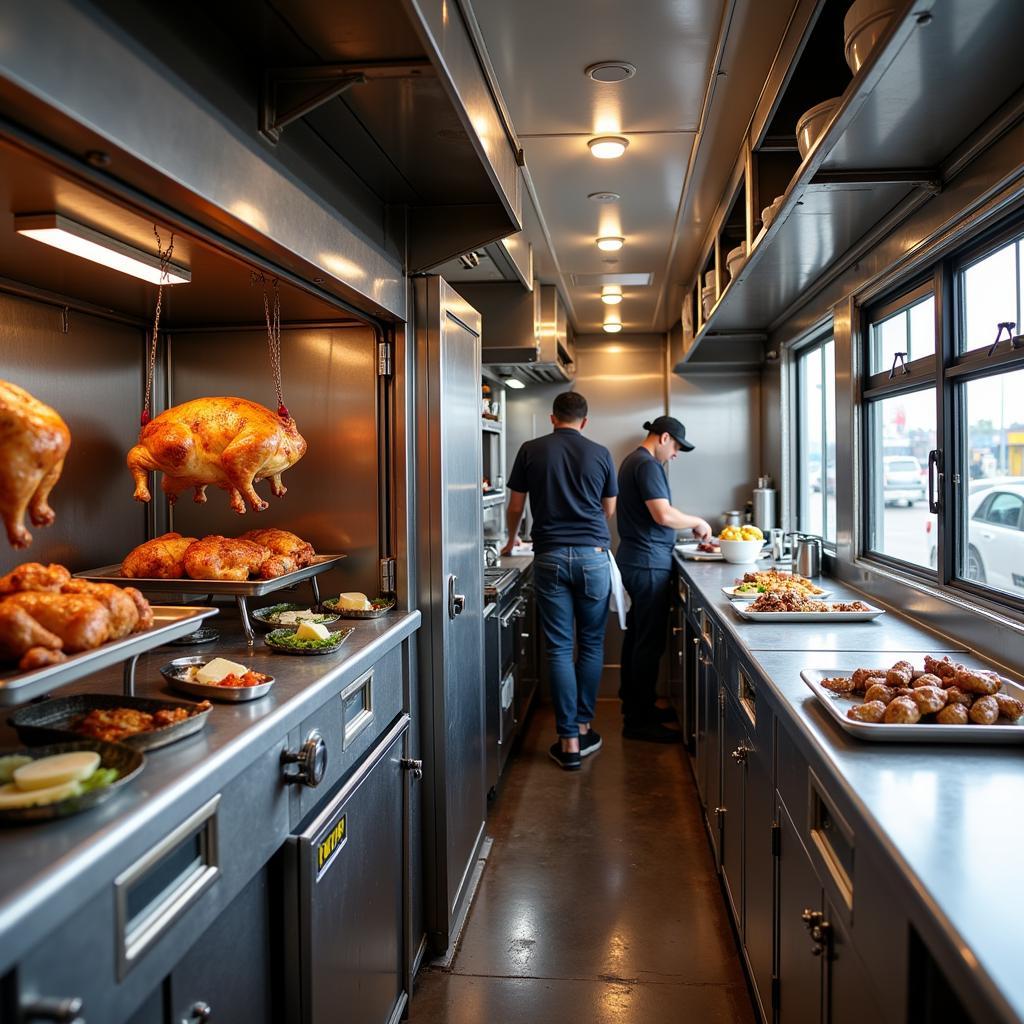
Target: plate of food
[
  {"x": 44, "y": 783},
  {"x": 139, "y": 722},
  {"x": 277, "y": 615},
  {"x": 753, "y": 584},
  {"x": 701, "y": 551},
  {"x": 359, "y": 606},
  {"x": 789, "y": 606},
  {"x": 309, "y": 638},
  {"x": 940, "y": 701},
  {"x": 216, "y": 679}
]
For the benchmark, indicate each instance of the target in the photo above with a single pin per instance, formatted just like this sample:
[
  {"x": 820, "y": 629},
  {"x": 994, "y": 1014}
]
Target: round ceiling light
[
  {"x": 610, "y": 71},
  {"x": 608, "y": 147},
  {"x": 604, "y": 197},
  {"x": 611, "y": 294},
  {"x": 612, "y": 327},
  {"x": 610, "y": 243}
]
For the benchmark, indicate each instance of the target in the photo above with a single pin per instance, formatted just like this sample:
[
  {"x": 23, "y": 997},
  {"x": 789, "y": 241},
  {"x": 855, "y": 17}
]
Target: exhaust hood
[{"x": 525, "y": 334}]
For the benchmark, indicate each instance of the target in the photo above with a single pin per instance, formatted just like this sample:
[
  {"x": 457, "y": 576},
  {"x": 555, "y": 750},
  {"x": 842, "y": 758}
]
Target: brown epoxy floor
[{"x": 599, "y": 902}]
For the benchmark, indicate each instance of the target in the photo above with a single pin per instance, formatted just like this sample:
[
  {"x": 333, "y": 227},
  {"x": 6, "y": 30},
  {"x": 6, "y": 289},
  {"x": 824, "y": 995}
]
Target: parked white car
[{"x": 902, "y": 480}]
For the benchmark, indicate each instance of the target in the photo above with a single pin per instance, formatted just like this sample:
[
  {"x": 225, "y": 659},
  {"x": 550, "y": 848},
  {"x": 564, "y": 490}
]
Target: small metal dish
[
  {"x": 175, "y": 670},
  {"x": 264, "y": 616},
  {"x": 273, "y": 638},
  {"x": 53, "y": 721},
  {"x": 126, "y": 760},
  {"x": 381, "y": 606}
]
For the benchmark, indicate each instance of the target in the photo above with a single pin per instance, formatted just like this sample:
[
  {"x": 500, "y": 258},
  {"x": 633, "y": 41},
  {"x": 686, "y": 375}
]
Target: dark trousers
[{"x": 646, "y": 632}]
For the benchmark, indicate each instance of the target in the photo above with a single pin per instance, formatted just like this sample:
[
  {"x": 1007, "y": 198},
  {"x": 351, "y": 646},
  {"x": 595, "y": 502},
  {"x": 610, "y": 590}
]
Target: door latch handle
[
  {"x": 311, "y": 759},
  {"x": 413, "y": 766},
  {"x": 64, "y": 1011},
  {"x": 456, "y": 602}
]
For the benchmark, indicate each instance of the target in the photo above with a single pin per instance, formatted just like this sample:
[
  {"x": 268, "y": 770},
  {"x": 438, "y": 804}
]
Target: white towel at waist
[{"x": 619, "y": 599}]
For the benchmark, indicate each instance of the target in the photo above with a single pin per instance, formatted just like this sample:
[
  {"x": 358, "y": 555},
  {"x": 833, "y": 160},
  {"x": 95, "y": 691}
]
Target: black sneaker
[
  {"x": 570, "y": 762},
  {"x": 651, "y": 732},
  {"x": 590, "y": 743}
]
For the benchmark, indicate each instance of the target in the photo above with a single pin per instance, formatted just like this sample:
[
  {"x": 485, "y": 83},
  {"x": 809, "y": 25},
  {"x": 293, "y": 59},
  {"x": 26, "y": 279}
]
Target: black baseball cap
[{"x": 670, "y": 425}]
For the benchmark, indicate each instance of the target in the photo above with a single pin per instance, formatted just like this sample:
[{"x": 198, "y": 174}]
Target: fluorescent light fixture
[
  {"x": 515, "y": 383},
  {"x": 612, "y": 327},
  {"x": 610, "y": 243},
  {"x": 61, "y": 233},
  {"x": 608, "y": 147},
  {"x": 611, "y": 294}
]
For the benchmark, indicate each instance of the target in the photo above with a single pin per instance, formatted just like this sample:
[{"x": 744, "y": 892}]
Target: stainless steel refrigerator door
[{"x": 450, "y": 590}]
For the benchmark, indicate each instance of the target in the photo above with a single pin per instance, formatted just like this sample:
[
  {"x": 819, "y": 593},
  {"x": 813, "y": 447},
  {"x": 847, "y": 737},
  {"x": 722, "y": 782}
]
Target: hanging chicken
[
  {"x": 228, "y": 442},
  {"x": 33, "y": 443}
]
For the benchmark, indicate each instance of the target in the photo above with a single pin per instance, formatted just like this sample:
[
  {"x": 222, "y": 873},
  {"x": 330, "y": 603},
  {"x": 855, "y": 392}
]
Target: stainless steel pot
[{"x": 733, "y": 518}]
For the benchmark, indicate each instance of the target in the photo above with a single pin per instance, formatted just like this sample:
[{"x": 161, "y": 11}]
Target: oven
[{"x": 503, "y": 618}]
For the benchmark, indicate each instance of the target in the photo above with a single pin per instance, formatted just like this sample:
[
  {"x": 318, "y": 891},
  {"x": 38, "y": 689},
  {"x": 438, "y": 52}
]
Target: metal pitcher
[
  {"x": 732, "y": 518},
  {"x": 807, "y": 555}
]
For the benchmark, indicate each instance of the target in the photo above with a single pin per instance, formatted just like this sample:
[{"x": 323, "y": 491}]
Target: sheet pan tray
[
  {"x": 169, "y": 623},
  {"x": 245, "y": 588}
]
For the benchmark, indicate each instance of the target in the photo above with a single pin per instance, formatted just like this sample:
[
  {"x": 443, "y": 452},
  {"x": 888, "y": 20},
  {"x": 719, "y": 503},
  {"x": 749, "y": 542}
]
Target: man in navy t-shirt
[
  {"x": 570, "y": 481},
  {"x": 647, "y": 532}
]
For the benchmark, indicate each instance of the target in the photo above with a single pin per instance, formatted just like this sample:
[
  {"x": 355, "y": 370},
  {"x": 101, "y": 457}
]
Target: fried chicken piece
[
  {"x": 158, "y": 559},
  {"x": 221, "y": 558},
  {"x": 941, "y": 667},
  {"x": 984, "y": 711},
  {"x": 977, "y": 681},
  {"x": 281, "y": 542},
  {"x": 862, "y": 675},
  {"x": 902, "y": 711},
  {"x": 81, "y": 622},
  {"x": 879, "y": 692},
  {"x": 34, "y": 576},
  {"x": 952, "y": 714},
  {"x": 24, "y": 640},
  {"x": 1009, "y": 707},
  {"x": 954, "y": 695},
  {"x": 143, "y": 607},
  {"x": 927, "y": 679},
  {"x": 277, "y": 565},
  {"x": 869, "y": 711},
  {"x": 113, "y": 724},
  {"x": 929, "y": 699},
  {"x": 124, "y": 614},
  {"x": 901, "y": 674},
  {"x": 839, "y": 684}
]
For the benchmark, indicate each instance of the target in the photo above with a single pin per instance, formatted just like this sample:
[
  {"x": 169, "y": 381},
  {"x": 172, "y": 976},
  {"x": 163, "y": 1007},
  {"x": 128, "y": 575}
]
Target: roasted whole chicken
[
  {"x": 228, "y": 442},
  {"x": 290, "y": 552},
  {"x": 159, "y": 559},
  {"x": 33, "y": 443},
  {"x": 221, "y": 558}
]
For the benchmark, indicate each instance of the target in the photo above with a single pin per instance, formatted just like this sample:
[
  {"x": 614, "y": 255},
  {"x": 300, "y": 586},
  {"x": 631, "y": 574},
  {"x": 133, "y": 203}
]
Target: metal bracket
[
  {"x": 899, "y": 359},
  {"x": 1008, "y": 326},
  {"x": 288, "y": 94},
  {"x": 385, "y": 362},
  {"x": 387, "y": 576},
  {"x": 925, "y": 178}
]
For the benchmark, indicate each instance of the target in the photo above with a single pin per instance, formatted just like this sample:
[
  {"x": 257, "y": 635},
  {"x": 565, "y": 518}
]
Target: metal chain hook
[
  {"x": 273, "y": 317},
  {"x": 165, "y": 260}
]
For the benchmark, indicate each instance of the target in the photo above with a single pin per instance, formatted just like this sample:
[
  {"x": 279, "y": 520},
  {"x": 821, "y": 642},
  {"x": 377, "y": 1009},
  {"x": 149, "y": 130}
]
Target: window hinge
[
  {"x": 385, "y": 366},
  {"x": 387, "y": 576},
  {"x": 776, "y": 839}
]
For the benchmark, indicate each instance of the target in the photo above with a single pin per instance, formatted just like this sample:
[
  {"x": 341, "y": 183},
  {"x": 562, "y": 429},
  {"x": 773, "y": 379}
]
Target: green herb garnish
[
  {"x": 286, "y": 638},
  {"x": 100, "y": 779}
]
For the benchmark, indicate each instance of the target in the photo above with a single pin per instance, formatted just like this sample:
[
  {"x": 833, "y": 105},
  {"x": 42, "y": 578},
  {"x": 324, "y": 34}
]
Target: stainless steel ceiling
[{"x": 539, "y": 51}]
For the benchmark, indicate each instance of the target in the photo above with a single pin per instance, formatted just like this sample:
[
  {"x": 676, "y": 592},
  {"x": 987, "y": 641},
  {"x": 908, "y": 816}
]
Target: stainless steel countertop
[
  {"x": 520, "y": 562},
  {"x": 948, "y": 816},
  {"x": 50, "y": 870}
]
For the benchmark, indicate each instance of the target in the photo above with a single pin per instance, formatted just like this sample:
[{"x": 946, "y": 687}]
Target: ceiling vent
[{"x": 626, "y": 280}]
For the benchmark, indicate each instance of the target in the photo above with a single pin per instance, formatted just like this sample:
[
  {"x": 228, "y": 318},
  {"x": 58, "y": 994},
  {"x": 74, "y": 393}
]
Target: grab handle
[{"x": 935, "y": 480}]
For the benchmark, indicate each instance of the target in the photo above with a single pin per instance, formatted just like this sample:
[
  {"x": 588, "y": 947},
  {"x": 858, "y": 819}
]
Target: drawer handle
[
  {"x": 311, "y": 760},
  {"x": 413, "y": 766},
  {"x": 62, "y": 1011}
]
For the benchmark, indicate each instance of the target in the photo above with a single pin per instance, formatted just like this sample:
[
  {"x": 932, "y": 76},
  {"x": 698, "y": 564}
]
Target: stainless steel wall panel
[
  {"x": 330, "y": 386},
  {"x": 92, "y": 376}
]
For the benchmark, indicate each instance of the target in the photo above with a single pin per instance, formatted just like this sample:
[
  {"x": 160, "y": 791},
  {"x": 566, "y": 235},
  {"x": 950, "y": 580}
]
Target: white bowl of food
[
  {"x": 740, "y": 552},
  {"x": 813, "y": 123},
  {"x": 735, "y": 259},
  {"x": 769, "y": 212},
  {"x": 863, "y": 26}
]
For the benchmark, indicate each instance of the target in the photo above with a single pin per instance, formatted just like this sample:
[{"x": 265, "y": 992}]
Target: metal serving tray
[
  {"x": 730, "y": 592},
  {"x": 169, "y": 623},
  {"x": 173, "y": 672},
  {"x": 836, "y": 706},
  {"x": 241, "y": 591},
  {"x": 52, "y": 721},
  {"x": 745, "y": 613}
]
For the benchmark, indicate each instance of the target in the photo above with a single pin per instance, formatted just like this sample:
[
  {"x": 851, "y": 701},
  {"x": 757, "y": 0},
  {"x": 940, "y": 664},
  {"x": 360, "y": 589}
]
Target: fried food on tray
[
  {"x": 953, "y": 714},
  {"x": 113, "y": 724},
  {"x": 222, "y": 558},
  {"x": 286, "y": 545},
  {"x": 902, "y": 711},
  {"x": 230, "y": 443},
  {"x": 941, "y": 667},
  {"x": 929, "y": 699},
  {"x": 954, "y": 695},
  {"x": 927, "y": 679},
  {"x": 901, "y": 674},
  {"x": 766, "y": 580},
  {"x": 80, "y": 621},
  {"x": 24, "y": 640},
  {"x": 862, "y": 677},
  {"x": 34, "y": 441},
  {"x": 879, "y": 691},
  {"x": 869, "y": 711},
  {"x": 794, "y": 601},
  {"x": 1009, "y": 707},
  {"x": 984, "y": 711},
  {"x": 839, "y": 684},
  {"x": 34, "y": 576},
  {"x": 158, "y": 559},
  {"x": 123, "y": 611},
  {"x": 977, "y": 682}
]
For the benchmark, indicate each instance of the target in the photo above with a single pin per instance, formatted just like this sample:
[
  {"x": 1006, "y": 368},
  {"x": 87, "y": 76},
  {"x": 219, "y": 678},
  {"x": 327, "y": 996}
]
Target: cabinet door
[
  {"x": 800, "y": 960},
  {"x": 676, "y": 665},
  {"x": 713, "y": 742},
  {"x": 848, "y": 993},
  {"x": 735, "y": 746}
]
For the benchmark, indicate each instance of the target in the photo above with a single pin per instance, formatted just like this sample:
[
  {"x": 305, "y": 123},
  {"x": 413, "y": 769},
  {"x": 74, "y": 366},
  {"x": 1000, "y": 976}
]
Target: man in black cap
[{"x": 647, "y": 533}]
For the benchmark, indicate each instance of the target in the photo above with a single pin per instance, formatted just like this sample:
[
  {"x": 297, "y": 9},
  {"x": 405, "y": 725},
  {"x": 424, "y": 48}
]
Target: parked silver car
[{"x": 902, "y": 480}]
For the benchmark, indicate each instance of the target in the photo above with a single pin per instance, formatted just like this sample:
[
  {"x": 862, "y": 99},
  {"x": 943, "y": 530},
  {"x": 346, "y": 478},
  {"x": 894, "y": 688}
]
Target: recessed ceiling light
[
  {"x": 70, "y": 236},
  {"x": 608, "y": 147},
  {"x": 612, "y": 326},
  {"x": 611, "y": 294},
  {"x": 605, "y": 197},
  {"x": 610, "y": 71},
  {"x": 610, "y": 243},
  {"x": 514, "y": 382}
]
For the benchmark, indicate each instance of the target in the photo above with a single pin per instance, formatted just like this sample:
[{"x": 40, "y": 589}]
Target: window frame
[{"x": 799, "y": 352}]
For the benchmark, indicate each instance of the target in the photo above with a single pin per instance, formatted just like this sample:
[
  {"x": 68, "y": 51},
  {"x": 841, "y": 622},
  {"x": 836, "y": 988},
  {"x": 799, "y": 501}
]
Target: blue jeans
[{"x": 573, "y": 586}]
